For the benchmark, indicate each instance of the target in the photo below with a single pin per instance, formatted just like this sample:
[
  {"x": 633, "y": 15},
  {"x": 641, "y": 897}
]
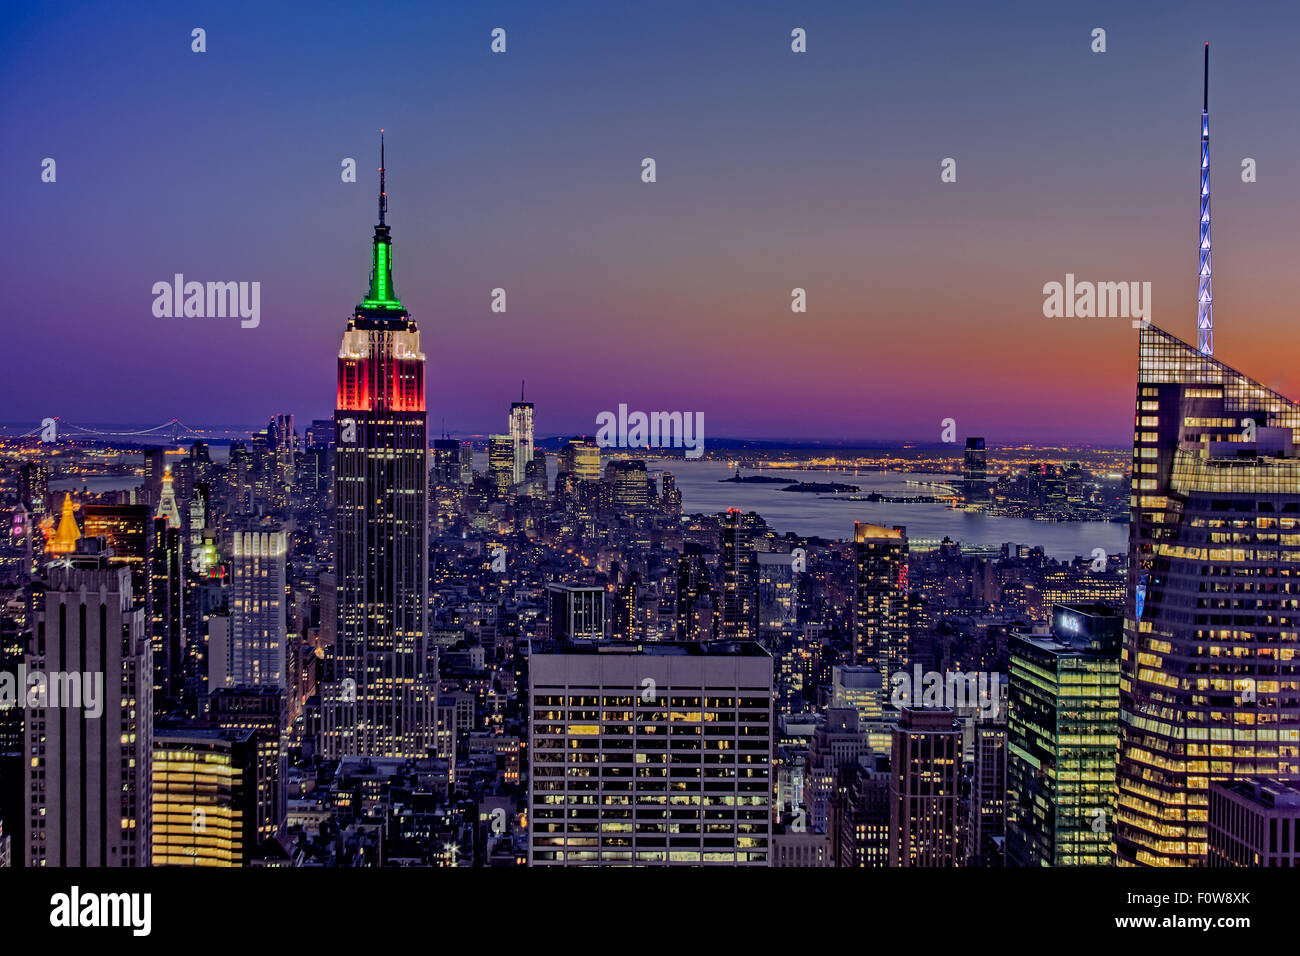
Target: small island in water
[
  {"x": 821, "y": 487},
  {"x": 754, "y": 479}
]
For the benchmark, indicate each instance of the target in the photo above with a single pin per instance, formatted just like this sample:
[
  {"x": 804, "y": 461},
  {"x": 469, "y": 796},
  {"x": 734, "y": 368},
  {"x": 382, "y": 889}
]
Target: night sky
[{"x": 522, "y": 171}]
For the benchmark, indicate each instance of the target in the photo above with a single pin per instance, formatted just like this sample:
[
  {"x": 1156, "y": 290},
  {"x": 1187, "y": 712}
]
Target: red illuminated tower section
[{"x": 380, "y": 691}]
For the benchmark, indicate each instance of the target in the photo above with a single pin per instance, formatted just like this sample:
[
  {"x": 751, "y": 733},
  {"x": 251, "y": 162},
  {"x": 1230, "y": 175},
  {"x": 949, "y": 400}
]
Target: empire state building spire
[
  {"x": 1205, "y": 287},
  {"x": 381, "y": 296}
]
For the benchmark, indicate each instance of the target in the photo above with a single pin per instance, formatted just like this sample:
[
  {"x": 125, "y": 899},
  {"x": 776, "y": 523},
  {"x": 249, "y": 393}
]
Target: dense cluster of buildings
[{"x": 348, "y": 646}]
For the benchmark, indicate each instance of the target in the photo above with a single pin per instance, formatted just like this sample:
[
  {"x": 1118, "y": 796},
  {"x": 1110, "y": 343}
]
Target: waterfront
[{"x": 833, "y": 516}]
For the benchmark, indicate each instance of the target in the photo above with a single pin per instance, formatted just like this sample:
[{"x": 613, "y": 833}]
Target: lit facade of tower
[
  {"x": 521, "y": 437},
  {"x": 380, "y": 689},
  {"x": 501, "y": 462},
  {"x": 739, "y": 578},
  {"x": 1062, "y": 733},
  {"x": 1210, "y": 674},
  {"x": 258, "y": 634},
  {"x": 880, "y": 598},
  {"x": 925, "y": 789}
]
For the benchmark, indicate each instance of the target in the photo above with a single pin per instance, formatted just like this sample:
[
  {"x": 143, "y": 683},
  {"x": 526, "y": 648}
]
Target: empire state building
[{"x": 381, "y": 679}]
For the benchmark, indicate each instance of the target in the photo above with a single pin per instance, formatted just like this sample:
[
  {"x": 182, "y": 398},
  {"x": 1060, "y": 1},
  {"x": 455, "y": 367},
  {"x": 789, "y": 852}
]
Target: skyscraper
[
  {"x": 1210, "y": 686},
  {"x": 739, "y": 578},
  {"x": 204, "y": 797},
  {"x": 925, "y": 789},
  {"x": 880, "y": 598},
  {"x": 521, "y": 436},
  {"x": 1062, "y": 734},
  {"x": 380, "y": 688},
  {"x": 86, "y": 768},
  {"x": 258, "y": 639},
  {"x": 974, "y": 473},
  {"x": 501, "y": 462},
  {"x": 577, "y": 612}
]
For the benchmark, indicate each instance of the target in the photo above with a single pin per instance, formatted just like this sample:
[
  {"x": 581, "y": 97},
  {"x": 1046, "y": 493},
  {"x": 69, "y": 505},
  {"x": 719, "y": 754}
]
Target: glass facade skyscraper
[
  {"x": 1210, "y": 686},
  {"x": 1062, "y": 734}
]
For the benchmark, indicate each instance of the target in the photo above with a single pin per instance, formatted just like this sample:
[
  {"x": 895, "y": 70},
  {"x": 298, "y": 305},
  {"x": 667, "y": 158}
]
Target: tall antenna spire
[
  {"x": 521, "y": 389},
  {"x": 383, "y": 196},
  {"x": 1205, "y": 288}
]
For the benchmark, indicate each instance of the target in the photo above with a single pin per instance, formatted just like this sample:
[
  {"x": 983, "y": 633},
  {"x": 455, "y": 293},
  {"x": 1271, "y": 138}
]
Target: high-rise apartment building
[
  {"x": 657, "y": 754},
  {"x": 379, "y": 691}
]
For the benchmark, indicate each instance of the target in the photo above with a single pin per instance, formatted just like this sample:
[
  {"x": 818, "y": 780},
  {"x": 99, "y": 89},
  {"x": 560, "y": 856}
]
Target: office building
[
  {"x": 658, "y": 754},
  {"x": 880, "y": 625},
  {"x": 501, "y": 462},
  {"x": 577, "y": 612},
  {"x": 1211, "y": 670},
  {"x": 1062, "y": 740},
  {"x": 379, "y": 691},
  {"x": 521, "y": 437},
  {"x": 739, "y": 577},
  {"x": 258, "y": 655},
  {"x": 1254, "y": 822},
  {"x": 204, "y": 795},
  {"x": 581, "y": 458},
  {"x": 925, "y": 789},
  {"x": 86, "y": 769}
]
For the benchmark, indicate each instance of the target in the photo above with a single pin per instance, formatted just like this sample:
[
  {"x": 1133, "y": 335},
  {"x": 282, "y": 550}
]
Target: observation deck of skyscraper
[{"x": 799, "y": 440}]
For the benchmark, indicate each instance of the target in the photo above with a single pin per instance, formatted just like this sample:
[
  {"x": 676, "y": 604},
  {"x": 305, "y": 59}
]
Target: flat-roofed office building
[{"x": 654, "y": 754}]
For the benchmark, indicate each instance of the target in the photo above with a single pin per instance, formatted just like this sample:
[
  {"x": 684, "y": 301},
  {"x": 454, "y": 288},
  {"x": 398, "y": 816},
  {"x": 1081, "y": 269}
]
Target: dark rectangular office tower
[
  {"x": 1210, "y": 680},
  {"x": 925, "y": 789},
  {"x": 379, "y": 695},
  {"x": 655, "y": 754}
]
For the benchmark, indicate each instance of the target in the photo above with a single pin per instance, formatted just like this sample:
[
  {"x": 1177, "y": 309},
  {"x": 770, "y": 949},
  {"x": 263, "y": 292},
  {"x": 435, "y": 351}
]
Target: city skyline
[
  {"x": 766, "y": 437},
  {"x": 604, "y": 270}
]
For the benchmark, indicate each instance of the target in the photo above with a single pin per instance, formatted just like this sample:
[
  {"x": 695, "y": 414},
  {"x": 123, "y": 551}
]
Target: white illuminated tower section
[
  {"x": 1205, "y": 288},
  {"x": 521, "y": 435},
  {"x": 381, "y": 678}
]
